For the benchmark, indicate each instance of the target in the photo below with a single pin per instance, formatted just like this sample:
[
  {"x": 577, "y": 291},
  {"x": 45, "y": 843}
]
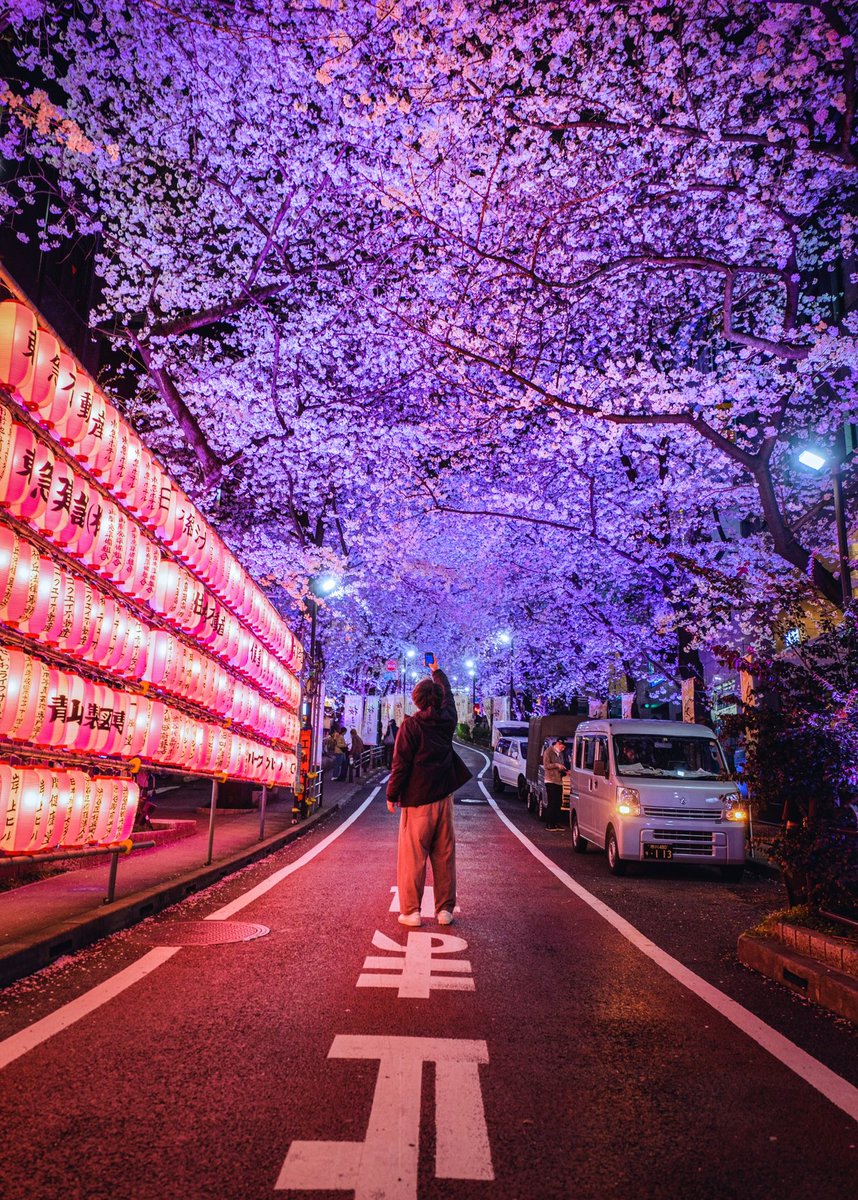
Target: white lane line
[
  {"x": 27, "y": 1039},
  {"x": 33, "y": 1035},
  {"x": 836, "y": 1089},
  {"x": 485, "y": 756},
  {"x": 241, "y": 902}
]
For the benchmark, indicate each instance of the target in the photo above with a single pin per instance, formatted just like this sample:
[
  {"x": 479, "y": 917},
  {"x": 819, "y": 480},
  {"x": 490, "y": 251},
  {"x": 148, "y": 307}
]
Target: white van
[
  {"x": 655, "y": 791},
  {"x": 508, "y": 729}
]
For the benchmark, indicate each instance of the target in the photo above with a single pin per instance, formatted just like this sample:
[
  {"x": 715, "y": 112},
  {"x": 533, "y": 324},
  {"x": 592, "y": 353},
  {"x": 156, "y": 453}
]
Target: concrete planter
[{"x": 819, "y": 967}]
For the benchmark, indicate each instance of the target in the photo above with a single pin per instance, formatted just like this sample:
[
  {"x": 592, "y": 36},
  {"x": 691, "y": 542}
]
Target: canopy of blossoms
[{"x": 514, "y": 316}]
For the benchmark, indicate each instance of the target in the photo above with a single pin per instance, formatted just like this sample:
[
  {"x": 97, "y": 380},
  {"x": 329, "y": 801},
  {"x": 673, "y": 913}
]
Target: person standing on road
[
  {"x": 356, "y": 749},
  {"x": 554, "y": 767},
  {"x": 341, "y": 754},
  {"x": 426, "y": 771},
  {"x": 388, "y": 742}
]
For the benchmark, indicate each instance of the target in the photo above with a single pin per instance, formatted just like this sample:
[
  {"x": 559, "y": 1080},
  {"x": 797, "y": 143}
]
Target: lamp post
[
  {"x": 816, "y": 461},
  {"x": 505, "y": 639},
  {"x": 406, "y": 659},
  {"x": 320, "y": 586},
  {"x": 472, "y": 671}
]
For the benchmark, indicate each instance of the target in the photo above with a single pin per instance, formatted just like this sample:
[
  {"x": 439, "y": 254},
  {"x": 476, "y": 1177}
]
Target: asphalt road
[{"x": 551, "y": 1050}]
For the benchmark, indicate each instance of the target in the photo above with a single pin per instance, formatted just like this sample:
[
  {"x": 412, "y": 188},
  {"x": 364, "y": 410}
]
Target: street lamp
[
  {"x": 473, "y": 675},
  {"x": 320, "y": 586},
  {"x": 814, "y": 459},
  {"x": 505, "y": 639}
]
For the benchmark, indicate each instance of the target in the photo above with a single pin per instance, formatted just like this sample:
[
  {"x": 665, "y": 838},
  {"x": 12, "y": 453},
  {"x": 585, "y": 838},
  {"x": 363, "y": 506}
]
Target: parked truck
[{"x": 542, "y": 731}]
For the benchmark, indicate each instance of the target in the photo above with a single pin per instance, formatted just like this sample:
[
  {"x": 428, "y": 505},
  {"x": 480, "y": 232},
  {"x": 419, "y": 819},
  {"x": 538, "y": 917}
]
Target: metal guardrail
[{"x": 125, "y": 848}]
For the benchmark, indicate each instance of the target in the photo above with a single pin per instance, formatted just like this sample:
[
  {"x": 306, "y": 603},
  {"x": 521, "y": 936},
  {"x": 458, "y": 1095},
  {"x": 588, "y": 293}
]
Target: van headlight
[
  {"x": 628, "y": 802},
  {"x": 733, "y": 809}
]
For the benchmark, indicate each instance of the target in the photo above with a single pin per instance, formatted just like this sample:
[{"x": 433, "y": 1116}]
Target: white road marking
[
  {"x": 27, "y": 1039},
  {"x": 228, "y": 910},
  {"x": 839, "y": 1091},
  {"x": 427, "y": 907},
  {"x": 415, "y": 970},
  {"x": 33, "y": 1035},
  {"x": 384, "y": 1165}
]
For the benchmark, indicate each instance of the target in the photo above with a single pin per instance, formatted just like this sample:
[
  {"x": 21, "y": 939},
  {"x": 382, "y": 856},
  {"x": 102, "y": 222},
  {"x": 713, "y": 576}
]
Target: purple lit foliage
[{"x": 509, "y": 315}]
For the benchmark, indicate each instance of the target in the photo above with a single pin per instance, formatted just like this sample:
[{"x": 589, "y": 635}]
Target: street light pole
[{"x": 842, "y": 533}]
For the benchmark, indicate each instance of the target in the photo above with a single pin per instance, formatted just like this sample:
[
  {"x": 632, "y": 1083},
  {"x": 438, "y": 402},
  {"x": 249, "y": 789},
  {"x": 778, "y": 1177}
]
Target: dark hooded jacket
[{"x": 426, "y": 768}]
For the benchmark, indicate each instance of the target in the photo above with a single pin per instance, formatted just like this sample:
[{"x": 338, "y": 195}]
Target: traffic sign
[{"x": 392, "y": 664}]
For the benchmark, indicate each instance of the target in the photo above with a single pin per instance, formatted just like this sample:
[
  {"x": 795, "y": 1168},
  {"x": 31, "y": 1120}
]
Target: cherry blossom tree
[{"x": 512, "y": 315}]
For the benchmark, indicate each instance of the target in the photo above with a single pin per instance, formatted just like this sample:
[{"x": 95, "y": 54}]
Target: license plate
[{"x": 651, "y": 850}]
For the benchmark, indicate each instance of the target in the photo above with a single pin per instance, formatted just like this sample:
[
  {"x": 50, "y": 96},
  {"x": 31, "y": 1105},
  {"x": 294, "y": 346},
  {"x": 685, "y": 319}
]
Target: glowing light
[{"x": 810, "y": 458}]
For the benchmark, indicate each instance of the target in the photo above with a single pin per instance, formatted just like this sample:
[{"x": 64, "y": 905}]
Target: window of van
[
  {"x": 502, "y": 746},
  {"x": 673, "y": 757}
]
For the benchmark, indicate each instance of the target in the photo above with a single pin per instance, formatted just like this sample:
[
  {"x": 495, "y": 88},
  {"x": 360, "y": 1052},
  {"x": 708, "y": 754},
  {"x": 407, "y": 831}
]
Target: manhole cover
[{"x": 201, "y": 933}]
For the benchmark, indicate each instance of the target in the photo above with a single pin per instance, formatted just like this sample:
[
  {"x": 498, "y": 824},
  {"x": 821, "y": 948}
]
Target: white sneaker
[
  {"x": 445, "y": 917},
  {"x": 412, "y": 920}
]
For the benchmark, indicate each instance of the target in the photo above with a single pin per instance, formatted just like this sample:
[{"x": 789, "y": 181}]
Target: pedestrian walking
[
  {"x": 554, "y": 767},
  {"x": 356, "y": 749},
  {"x": 426, "y": 771},
  {"x": 388, "y": 742},
  {"x": 341, "y": 754}
]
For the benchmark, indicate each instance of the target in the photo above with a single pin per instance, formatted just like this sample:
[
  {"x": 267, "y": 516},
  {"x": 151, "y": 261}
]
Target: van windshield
[{"x": 671, "y": 757}]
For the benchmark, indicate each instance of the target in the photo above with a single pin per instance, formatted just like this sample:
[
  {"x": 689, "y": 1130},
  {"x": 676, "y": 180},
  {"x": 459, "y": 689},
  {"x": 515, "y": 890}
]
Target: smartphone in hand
[{"x": 429, "y": 660}]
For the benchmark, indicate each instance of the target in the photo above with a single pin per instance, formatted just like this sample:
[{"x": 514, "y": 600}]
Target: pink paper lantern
[
  {"x": 18, "y": 332},
  {"x": 39, "y": 388},
  {"x": 73, "y": 427}
]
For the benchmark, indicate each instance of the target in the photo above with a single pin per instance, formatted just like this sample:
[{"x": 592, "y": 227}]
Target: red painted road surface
[{"x": 531, "y": 1050}]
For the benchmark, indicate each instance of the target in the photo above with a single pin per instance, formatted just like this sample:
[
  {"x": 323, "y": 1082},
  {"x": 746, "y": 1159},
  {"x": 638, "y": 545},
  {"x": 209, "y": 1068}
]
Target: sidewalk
[{"x": 43, "y": 920}]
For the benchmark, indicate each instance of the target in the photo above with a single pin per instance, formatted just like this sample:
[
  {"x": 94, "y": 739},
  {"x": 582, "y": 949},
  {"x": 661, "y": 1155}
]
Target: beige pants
[{"x": 426, "y": 832}]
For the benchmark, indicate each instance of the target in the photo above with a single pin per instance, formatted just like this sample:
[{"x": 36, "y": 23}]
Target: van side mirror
[{"x": 600, "y": 768}]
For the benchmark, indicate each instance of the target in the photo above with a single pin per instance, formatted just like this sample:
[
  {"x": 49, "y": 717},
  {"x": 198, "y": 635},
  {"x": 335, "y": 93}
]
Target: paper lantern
[
  {"x": 106, "y": 533},
  {"x": 125, "y": 473},
  {"x": 80, "y": 797},
  {"x": 46, "y": 609},
  {"x": 130, "y": 803},
  {"x": 54, "y": 408},
  {"x": 38, "y": 390},
  {"x": 18, "y": 331},
  {"x": 51, "y": 828},
  {"x": 78, "y": 534},
  {"x": 74, "y": 425},
  {"x": 90, "y": 444},
  {"x": 108, "y": 447},
  {"x": 20, "y": 453},
  {"x": 11, "y": 784},
  {"x": 19, "y": 570},
  {"x": 32, "y": 810}
]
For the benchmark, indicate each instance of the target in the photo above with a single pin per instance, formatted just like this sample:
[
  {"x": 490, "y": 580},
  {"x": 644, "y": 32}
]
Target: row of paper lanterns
[
  {"x": 43, "y": 600},
  {"x": 43, "y": 377},
  {"x": 41, "y": 489},
  {"x": 42, "y": 810},
  {"x": 43, "y": 706}
]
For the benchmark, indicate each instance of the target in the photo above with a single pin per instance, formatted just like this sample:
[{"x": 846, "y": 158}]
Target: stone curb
[
  {"x": 816, "y": 981},
  {"x": 838, "y": 952},
  {"x": 23, "y": 957}
]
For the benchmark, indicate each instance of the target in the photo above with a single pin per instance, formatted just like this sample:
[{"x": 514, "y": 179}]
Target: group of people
[{"x": 345, "y": 751}]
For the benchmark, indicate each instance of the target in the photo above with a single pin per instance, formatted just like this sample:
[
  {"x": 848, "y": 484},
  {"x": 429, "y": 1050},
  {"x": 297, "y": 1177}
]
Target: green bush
[{"x": 802, "y": 762}]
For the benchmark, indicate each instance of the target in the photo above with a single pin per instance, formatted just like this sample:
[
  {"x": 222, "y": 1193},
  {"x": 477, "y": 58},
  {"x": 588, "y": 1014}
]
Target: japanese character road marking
[
  {"x": 416, "y": 969},
  {"x": 384, "y": 1165}
]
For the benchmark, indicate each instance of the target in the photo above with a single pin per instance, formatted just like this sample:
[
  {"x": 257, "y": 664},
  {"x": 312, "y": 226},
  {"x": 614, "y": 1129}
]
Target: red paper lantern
[
  {"x": 73, "y": 427},
  {"x": 77, "y": 817},
  {"x": 38, "y": 390},
  {"x": 18, "y": 331}
]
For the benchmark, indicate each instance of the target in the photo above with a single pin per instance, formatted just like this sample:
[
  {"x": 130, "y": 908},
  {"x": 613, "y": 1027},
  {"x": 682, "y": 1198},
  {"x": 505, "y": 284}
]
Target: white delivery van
[
  {"x": 508, "y": 729},
  {"x": 654, "y": 791}
]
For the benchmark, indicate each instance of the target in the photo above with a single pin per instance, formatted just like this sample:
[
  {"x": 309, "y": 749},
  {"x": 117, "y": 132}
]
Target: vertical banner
[
  {"x": 398, "y": 711},
  {"x": 499, "y": 708},
  {"x": 598, "y": 708},
  {"x": 463, "y": 705},
  {"x": 352, "y": 711},
  {"x": 628, "y": 699},
  {"x": 688, "y": 700},
  {"x": 369, "y": 729}
]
